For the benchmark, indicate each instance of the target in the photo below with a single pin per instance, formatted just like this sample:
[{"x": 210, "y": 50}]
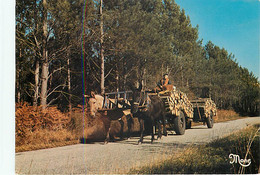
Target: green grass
[{"x": 212, "y": 157}]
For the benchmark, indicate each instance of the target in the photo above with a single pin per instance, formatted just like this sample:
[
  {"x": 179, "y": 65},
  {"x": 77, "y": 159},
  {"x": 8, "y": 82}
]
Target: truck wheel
[
  {"x": 210, "y": 121},
  {"x": 188, "y": 124},
  {"x": 180, "y": 124}
]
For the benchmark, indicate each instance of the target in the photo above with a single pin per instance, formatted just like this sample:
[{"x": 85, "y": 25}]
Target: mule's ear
[
  {"x": 86, "y": 96},
  {"x": 92, "y": 94},
  {"x": 140, "y": 85}
]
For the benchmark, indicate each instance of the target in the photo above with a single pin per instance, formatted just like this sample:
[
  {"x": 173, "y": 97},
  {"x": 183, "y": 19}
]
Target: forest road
[{"x": 121, "y": 156}]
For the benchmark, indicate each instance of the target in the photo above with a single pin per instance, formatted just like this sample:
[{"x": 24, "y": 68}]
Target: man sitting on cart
[{"x": 164, "y": 84}]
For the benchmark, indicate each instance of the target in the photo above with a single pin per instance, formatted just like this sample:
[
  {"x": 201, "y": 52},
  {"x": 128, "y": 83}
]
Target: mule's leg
[
  {"x": 153, "y": 125},
  {"x": 159, "y": 130},
  {"x": 141, "y": 121},
  {"x": 122, "y": 128},
  {"x": 164, "y": 128},
  {"x": 129, "y": 125},
  {"x": 107, "y": 136}
]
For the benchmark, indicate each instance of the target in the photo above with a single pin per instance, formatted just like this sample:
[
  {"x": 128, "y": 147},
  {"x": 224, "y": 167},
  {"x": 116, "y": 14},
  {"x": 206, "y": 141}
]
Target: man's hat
[{"x": 165, "y": 74}]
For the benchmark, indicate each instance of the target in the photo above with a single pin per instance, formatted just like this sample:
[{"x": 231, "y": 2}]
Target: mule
[
  {"x": 109, "y": 119},
  {"x": 150, "y": 109}
]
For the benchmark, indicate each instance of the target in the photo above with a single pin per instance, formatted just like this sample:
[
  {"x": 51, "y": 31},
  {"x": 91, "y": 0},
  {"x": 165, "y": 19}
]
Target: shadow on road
[{"x": 135, "y": 137}]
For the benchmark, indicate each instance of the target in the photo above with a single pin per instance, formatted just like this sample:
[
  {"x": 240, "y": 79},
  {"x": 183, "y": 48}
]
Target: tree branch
[
  {"x": 61, "y": 85},
  {"x": 55, "y": 71}
]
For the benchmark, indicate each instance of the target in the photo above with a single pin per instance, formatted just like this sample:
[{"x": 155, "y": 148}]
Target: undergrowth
[
  {"x": 39, "y": 129},
  {"x": 212, "y": 157},
  {"x": 226, "y": 115},
  {"x": 45, "y": 139}
]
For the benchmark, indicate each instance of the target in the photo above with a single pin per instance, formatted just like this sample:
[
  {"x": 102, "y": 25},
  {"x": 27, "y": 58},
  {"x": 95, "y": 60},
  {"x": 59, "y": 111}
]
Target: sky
[{"x": 229, "y": 24}]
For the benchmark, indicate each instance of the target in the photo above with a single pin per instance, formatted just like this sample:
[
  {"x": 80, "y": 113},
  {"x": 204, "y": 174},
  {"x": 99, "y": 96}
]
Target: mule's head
[
  {"x": 92, "y": 104},
  {"x": 136, "y": 98}
]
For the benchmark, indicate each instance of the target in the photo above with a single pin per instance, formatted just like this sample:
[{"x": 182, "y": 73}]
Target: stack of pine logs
[
  {"x": 206, "y": 107},
  {"x": 176, "y": 101},
  {"x": 210, "y": 106}
]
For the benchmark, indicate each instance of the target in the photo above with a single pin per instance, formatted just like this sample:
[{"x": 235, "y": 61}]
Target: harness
[{"x": 144, "y": 101}]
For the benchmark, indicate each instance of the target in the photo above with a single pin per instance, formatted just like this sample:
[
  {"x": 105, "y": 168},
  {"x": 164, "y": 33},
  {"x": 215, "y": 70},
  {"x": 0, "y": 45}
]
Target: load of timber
[
  {"x": 207, "y": 104},
  {"x": 176, "y": 101}
]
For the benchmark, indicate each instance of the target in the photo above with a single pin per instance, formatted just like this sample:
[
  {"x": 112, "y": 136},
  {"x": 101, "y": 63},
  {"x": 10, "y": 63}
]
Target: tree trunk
[
  {"x": 144, "y": 79},
  {"x": 36, "y": 78},
  {"x": 117, "y": 79},
  {"x": 124, "y": 73},
  {"x": 102, "y": 67},
  {"x": 44, "y": 84},
  {"x": 45, "y": 64},
  {"x": 37, "y": 64},
  {"x": 69, "y": 83},
  {"x": 182, "y": 84},
  {"x": 18, "y": 86}
]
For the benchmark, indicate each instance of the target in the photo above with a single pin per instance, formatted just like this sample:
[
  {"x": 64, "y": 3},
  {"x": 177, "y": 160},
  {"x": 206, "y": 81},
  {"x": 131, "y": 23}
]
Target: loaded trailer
[
  {"x": 180, "y": 111},
  {"x": 204, "y": 111}
]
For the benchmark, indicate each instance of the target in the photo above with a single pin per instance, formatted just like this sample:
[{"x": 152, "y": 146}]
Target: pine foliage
[{"x": 142, "y": 41}]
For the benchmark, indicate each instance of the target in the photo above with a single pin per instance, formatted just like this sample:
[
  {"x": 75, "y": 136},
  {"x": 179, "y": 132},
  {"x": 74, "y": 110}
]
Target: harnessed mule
[{"x": 148, "y": 108}]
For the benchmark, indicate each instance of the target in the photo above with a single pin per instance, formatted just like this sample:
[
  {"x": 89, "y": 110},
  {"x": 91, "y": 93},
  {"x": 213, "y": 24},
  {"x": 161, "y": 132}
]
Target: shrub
[{"x": 36, "y": 128}]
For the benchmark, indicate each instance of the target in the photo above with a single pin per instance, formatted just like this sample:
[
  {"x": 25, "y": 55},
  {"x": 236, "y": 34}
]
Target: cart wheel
[
  {"x": 188, "y": 124},
  {"x": 210, "y": 120},
  {"x": 180, "y": 124}
]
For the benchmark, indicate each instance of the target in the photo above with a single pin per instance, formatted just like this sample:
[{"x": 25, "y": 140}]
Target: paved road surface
[{"x": 120, "y": 156}]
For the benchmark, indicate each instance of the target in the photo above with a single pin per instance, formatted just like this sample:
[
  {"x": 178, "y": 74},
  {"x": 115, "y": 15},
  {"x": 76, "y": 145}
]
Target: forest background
[{"x": 61, "y": 54}]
